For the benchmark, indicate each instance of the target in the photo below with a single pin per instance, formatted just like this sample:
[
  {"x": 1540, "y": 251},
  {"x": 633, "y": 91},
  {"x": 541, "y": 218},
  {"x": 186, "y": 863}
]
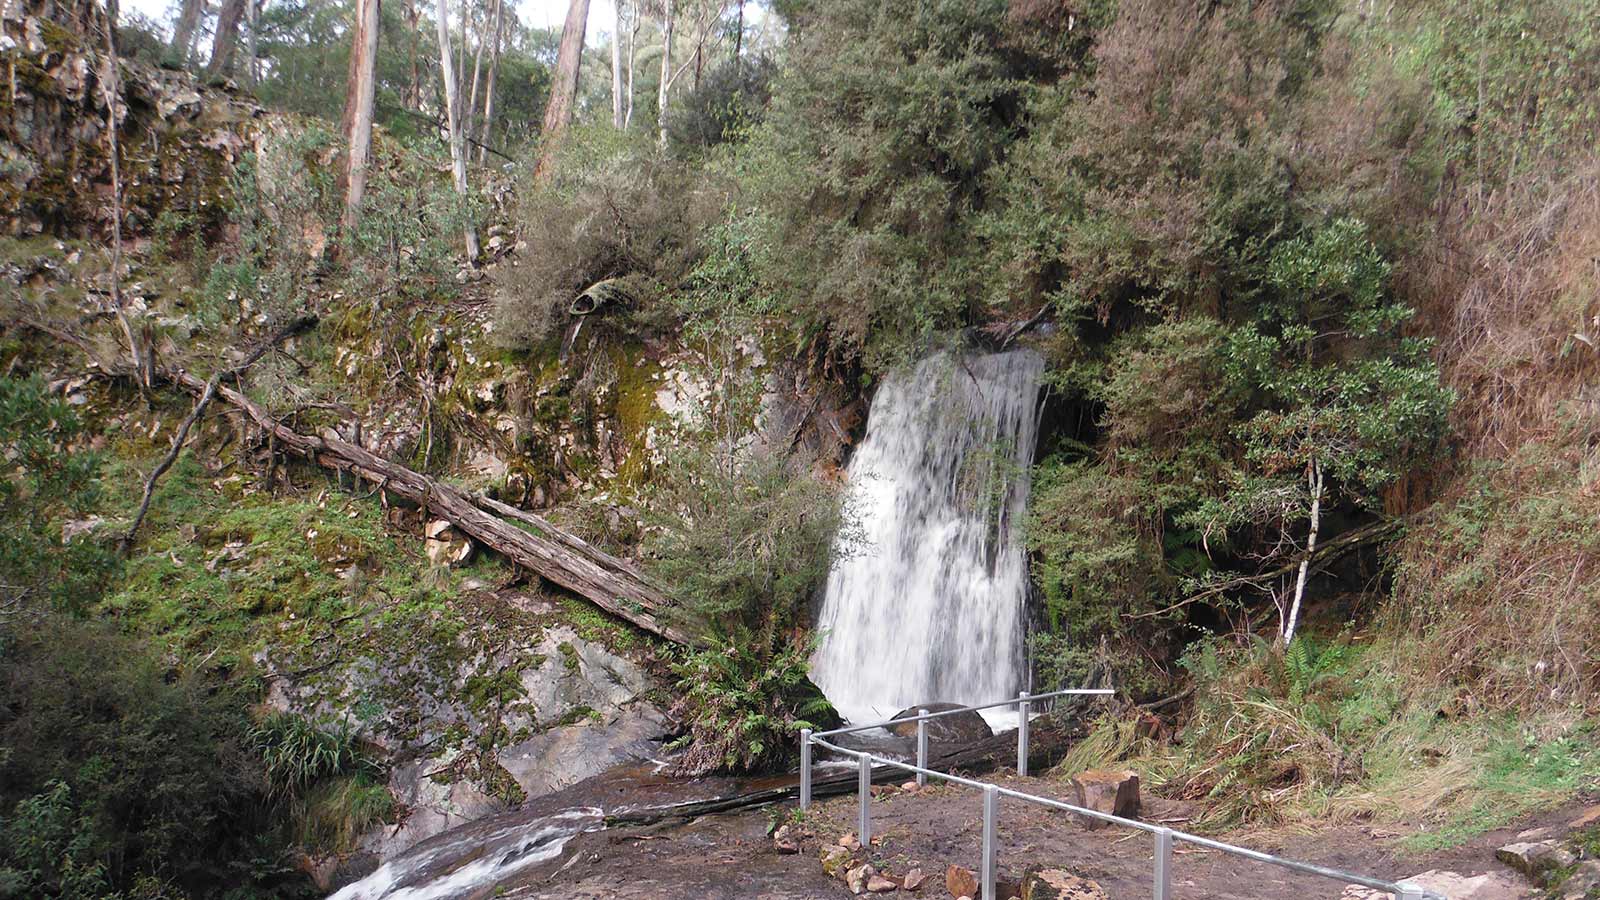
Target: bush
[
  {"x": 729, "y": 102},
  {"x": 607, "y": 206},
  {"x": 863, "y": 175},
  {"x": 745, "y": 706},
  {"x": 122, "y": 771},
  {"x": 45, "y": 478}
]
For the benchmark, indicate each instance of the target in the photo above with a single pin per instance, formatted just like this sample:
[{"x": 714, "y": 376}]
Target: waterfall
[{"x": 929, "y": 605}]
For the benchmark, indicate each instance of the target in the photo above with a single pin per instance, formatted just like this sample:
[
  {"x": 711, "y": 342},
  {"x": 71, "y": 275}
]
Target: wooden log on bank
[{"x": 606, "y": 581}]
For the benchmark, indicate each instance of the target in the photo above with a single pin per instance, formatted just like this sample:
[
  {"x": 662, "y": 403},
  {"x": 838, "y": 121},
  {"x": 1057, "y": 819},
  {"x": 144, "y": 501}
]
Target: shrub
[
  {"x": 607, "y": 206},
  {"x": 121, "y": 770},
  {"x": 331, "y": 788},
  {"x": 45, "y": 478},
  {"x": 729, "y": 102},
  {"x": 863, "y": 175},
  {"x": 745, "y": 705}
]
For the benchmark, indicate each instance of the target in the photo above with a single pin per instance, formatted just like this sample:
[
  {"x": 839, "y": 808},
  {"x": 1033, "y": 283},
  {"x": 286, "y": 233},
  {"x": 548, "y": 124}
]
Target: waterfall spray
[{"x": 930, "y": 607}]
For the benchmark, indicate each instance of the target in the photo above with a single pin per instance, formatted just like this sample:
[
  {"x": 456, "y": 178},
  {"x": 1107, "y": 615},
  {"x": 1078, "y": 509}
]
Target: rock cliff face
[
  {"x": 519, "y": 708},
  {"x": 178, "y": 139}
]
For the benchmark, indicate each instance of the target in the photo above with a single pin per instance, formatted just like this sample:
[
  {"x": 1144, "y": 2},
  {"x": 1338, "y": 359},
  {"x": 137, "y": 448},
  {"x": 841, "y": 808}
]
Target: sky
[{"x": 535, "y": 13}]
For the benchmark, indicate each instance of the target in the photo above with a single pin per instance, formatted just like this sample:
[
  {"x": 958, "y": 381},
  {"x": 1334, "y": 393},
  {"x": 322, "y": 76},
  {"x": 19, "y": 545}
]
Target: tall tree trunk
[
  {"x": 564, "y": 93},
  {"x": 616, "y": 66},
  {"x": 461, "y": 61},
  {"x": 358, "y": 101},
  {"x": 666, "y": 69},
  {"x": 226, "y": 40},
  {"x": 472, "y": 96},
  {"x": 1313, "y": 481},
  {"x": 182, "y": 48},
  {"x": 738, "y": 42},
  {"x": 487, "y": 131},
  {"x": 252, "y": 17},
  {"x": 633, "y": 54},
  {"x": 414, "y": 89},
  {"x": 458, "y": 159}
]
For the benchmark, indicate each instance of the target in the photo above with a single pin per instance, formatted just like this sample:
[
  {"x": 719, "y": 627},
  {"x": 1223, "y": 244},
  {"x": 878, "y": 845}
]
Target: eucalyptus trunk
[
  {"x": 358, "y": 102},
  {"x": 452, "y": 103},
  {"x": 666, "y": 70}
]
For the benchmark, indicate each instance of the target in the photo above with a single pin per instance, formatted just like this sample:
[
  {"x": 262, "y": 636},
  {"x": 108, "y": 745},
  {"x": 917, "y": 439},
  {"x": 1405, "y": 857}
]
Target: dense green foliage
[{"x": 43, "y": 482}]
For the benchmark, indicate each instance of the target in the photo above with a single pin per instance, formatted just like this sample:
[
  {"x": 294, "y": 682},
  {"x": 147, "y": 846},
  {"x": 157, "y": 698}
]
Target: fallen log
[
  {"x": 564, "y": 559},
  {"x": 1048, "y": 740}
]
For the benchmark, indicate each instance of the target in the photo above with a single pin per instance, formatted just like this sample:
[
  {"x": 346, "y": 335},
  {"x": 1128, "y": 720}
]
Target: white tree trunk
[
  {"x": 484, "y": 132},
  {"x": 452, "y": 102},
  {"x": 358, "y": 105},
  {"x": 1314, "y": 481},
  {"x": 666, "y": 69},
  {"x": 616, "y": 66},
  {"x": 633, "y": 53}
]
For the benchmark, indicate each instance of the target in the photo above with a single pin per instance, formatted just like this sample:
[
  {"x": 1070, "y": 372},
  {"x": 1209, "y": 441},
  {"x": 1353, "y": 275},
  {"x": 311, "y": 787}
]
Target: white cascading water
[{"x": 929, "y": 607}]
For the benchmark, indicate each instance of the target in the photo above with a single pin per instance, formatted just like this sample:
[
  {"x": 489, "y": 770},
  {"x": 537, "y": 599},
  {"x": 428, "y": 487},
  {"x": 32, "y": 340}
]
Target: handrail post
[
  {"x": 1163, "y": 889},
  {"x": 1022, "y": 734},
  {"x": 991, "y": 812},
  {"x": 922, "y": 746},
  {"x": 805, "y": 769},
  {"x": 864, "y": 790}
]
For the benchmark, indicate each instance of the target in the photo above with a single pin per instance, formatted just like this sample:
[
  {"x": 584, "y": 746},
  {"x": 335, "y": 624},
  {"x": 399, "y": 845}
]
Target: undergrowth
[{"x": 1334, "y": 733}]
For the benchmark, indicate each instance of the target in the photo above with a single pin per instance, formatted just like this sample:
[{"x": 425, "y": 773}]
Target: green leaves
[{"x": 45, "y": 479}]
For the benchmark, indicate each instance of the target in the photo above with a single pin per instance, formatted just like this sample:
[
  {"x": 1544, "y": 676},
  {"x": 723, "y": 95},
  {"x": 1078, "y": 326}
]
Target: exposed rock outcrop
[{"x": 179, "y": 140}]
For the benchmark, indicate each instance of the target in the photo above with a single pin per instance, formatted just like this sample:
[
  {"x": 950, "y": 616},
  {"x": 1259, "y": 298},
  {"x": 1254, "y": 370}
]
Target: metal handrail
[
  {"x": 923, "y": 715},
  {"x": 1164, "y": 837}
]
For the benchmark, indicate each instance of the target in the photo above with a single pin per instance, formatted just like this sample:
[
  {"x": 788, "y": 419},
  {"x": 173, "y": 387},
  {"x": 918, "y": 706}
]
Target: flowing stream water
[{"x": 928, "y": 606}]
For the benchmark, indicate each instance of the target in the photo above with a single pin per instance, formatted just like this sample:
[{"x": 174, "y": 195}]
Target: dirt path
[{"x": 731, "y": 856}]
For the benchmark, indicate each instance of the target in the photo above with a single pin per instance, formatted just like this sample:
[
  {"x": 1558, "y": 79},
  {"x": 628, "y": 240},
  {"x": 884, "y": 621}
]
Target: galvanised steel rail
[{"x": 1164, "y": 837}]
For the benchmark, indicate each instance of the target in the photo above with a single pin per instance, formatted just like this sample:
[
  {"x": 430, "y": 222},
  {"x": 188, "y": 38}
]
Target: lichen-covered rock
[
  {"x": 1535, "y": 858},
  {"x": 179, "y": 140},
  {"x": 1058, "y": 884}
]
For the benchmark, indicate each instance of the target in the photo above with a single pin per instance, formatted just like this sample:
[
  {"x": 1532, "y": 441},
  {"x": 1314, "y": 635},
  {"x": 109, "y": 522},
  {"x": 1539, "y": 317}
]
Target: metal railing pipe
[
  {"x": 1165, "y": 838},
  {"x": 864, "y": 790},
  {"x": 922, "y": 746},
  {"x": 805, "y": 769},
  {"x": 1022, "y": 734},
  {"x": 991, "y": 813},
  {"x": 1163, "y": 879}
]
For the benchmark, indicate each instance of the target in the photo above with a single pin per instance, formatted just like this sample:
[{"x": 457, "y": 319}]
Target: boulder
[
  {"x": 856, "y": 879},
  {"x": 1058, "y": 884},
  {"x": 960, "y": 728},
  {"x": 913, "y": 879},
  {"x": 1535, "y": 858},
  {"x": 445, "y": 545},
  {"x": 877, "y": 884},
  {"x": 835, "y": 861},
  {"x": 1108, "y": 791},
  {"x": 961, "y": 882},
  {"x": 1455, "y": 886},
  {"x": 786, "y": 839}
]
